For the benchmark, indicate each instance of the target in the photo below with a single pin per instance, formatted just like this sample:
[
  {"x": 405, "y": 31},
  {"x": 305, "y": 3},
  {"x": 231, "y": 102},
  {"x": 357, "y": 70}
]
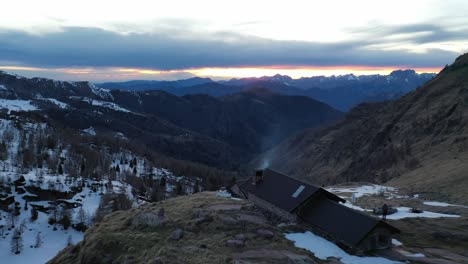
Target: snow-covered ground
[
  {"x": 396, "y": 242},
  {"x": 372, "y": 189},
  {"x": 405, "y": 212},
  {"x": 89, "y": 131},
  {"x": 109, "y": 105},
  {"x": 226, "y": 194},
  {"x": 101, "y": 92},
  {"x": 324, "y": 249},
  {"x": 17, "y": 105},
  {"x": 389, "y": 193},
  {"x": 53, "y": 240},
  {"x": 415, "y": 255},
  {"x": 122, "y": 161},
  {"x": 442, "y": 204},
  {"x": 57, "y": 103},
  {"x": 355, "y": 207},
  {"x": 41, "y": 181}
]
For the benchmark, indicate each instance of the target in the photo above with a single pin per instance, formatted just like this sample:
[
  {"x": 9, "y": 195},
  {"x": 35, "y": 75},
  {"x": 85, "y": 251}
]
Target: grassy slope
[{"x": 117, "y": 240}]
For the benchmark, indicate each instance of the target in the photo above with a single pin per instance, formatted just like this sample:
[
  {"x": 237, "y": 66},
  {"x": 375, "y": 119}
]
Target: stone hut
[{"x": 323, "y": 211}]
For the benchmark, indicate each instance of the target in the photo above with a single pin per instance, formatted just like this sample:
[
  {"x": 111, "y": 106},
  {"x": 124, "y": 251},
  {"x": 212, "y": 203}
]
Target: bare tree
[
  {"x": 34, "y": 214},
  {"x": 12, "y": 218},
  {"x": 16, "y": 243},
  {"x": 38, "y": 242},
  {"x": 65, "y": 217},
  {"x": 69, "y": 240},
  {"x": 22, "y": 226}
]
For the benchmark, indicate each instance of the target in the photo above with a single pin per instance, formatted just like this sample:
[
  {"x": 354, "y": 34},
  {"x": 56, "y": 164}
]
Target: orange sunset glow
[
  {"x": 298, "y": 72},
  {"x": 217, "y": 73}
]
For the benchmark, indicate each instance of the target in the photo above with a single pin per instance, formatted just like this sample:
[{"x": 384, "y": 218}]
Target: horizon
[
  {"x": 31, "y": 74},
  {"x": 85, "y": 40}
]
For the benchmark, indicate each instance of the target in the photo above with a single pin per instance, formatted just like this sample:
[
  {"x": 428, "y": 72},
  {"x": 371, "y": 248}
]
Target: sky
[{"x": 165, "y": 40}]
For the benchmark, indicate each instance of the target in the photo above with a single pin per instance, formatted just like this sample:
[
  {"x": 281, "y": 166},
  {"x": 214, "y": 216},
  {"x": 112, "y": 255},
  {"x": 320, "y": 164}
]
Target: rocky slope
[
  {"x": 418, "y": 141},
  {"x": 200, "y": 228}
]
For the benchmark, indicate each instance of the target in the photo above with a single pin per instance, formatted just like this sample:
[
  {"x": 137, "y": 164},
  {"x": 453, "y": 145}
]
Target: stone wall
[
  {"x": 380, "y": 238},
  {"x": 272, "y": 208}
]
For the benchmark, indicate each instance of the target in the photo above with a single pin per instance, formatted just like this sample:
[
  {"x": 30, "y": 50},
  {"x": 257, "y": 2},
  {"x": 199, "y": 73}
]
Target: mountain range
[
  {"x": 342, "y": 92},
  {"x": 220, "y": 132}
]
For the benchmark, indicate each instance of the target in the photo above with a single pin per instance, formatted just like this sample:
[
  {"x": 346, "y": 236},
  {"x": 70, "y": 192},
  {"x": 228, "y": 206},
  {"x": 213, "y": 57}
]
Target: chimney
[{"x": 258, "y": 177}]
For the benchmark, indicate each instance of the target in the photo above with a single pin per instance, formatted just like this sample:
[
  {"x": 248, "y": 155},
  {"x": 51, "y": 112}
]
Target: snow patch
[
  {"x": 58, "y": 103},
  {"x": 17, "y": 105},
  {"x": 101, "y": 92},
  {"x": 442, "y": 204},
  {"x": 3, "y": 87},
  {"x": 405, "y": 212},
  {"x": 415, "y": 255},
  {"x": 89, "y": 131},
  {"x": 372, "y": 189},
  {"x": 355, "y": 207},
  {"x": 324, "y": 249},
  {"x": 223, "y": 193},
  {"x": 396, "y": 242},
  {"x": 105, "y": 104}
]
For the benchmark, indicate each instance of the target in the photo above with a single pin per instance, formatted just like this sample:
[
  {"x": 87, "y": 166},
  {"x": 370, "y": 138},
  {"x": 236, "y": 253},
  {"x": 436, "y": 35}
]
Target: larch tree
[
  {"x": 16, "y": 243},
  {"x": 38, "y": 242}
]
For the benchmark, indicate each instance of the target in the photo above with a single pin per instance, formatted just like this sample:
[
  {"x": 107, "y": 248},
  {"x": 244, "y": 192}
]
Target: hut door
[{"x": 373, "y": 242}]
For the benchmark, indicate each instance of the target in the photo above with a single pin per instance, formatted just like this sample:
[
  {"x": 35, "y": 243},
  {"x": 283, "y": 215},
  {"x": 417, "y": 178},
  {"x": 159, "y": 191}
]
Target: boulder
[
  {"x": 242, "y": 237},
  {"x": 157, "y": 260},
  {"x": 161, "y": 213},
  {"x": 177, "y": 234},
  {"x": 228, "y": 220},
  {"x": 234, "y": 243},
  {"x": 202, "y": 220},
  {"x": 147, "y": 219},
  {"x": 265, "y": 233}
]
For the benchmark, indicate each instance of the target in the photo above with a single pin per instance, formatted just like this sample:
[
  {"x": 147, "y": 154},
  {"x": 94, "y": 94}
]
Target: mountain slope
[
  {"x": 221, "y": 132},
  {"x": 53, "y": 180},
  {"x": 418, "y": 141},
  {"x": 140, "y": 85}
]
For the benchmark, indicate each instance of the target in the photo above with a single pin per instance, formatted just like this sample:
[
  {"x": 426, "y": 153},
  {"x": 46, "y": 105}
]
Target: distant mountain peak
[
  {"x": 406, "y": 72},
  {"x": 277, "y": 77}
]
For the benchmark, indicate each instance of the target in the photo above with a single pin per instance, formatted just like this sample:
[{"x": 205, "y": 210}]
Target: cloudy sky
[{"x": 137, "y": 39}]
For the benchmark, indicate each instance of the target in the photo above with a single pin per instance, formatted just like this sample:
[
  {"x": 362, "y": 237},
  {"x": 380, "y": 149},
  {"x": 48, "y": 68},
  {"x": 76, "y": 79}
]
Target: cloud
[{"x": 169, "y": 50}]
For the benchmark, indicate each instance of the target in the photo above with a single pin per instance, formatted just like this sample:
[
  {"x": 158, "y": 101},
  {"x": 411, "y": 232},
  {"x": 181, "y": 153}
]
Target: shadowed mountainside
[
  {"x": 221, "y": 132},
  {"x": 419, "y": 141}
]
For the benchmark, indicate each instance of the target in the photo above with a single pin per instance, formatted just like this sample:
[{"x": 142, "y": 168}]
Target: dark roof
[
  {"x": 280, "y": 190},
  {"x": 342, "y": 223}
]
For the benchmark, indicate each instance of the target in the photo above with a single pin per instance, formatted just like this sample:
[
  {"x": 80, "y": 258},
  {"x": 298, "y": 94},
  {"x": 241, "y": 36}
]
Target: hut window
[
  {"x": 383, "y": 240},
  {"x": 298, "y": 191}
]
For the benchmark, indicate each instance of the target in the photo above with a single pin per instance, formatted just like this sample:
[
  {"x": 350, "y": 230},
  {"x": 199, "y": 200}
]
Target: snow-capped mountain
[{"x": 342, "y": 92}]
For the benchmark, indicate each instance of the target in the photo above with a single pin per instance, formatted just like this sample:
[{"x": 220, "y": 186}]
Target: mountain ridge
[
  {"x": 357, "y": 89},
  {"x": 220, "y": 132}
]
